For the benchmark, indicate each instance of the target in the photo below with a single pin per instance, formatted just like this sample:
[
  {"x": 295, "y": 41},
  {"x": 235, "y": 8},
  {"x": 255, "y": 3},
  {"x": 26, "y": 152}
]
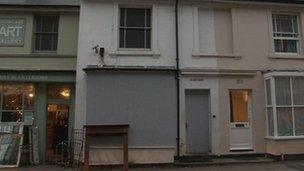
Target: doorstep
[{"x": 214, "y": 160}]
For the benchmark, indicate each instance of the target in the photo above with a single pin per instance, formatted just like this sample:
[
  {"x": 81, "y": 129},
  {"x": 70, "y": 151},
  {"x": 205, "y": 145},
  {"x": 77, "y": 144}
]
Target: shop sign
[
  {"x": 22, "y": 77},
  {"x": 37, "y": 76},
  {"x": 12, "y": 31}
]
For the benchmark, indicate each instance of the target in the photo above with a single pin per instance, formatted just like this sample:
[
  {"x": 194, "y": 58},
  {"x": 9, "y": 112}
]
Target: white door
[{"x": 240, "y": 120}]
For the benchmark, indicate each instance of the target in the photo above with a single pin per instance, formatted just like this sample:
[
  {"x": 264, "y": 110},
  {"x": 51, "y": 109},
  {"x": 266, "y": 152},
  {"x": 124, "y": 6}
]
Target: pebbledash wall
[
  {"x": 20, "y": 65},
  {"x": 224, "y": 46}
]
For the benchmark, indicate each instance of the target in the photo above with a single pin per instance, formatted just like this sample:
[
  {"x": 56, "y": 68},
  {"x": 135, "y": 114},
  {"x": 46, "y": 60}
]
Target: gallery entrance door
[{"x": 57, "y": 129}]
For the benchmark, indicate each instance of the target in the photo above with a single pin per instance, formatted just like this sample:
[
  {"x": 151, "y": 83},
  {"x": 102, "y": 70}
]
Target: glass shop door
[{"x": 57, "y": 130}]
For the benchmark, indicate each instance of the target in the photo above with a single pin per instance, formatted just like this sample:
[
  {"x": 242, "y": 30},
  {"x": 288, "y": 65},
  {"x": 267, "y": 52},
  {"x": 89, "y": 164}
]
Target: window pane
[
  {"x": 285, "y": 127},
  {"x": 148, "y": 38},
  {"x": 290, "y": 46},
  {"x": 11, "y": 116},
  {"x": 298, "y": 90},
  {"x": 148, "y": 17},
  {"x": 29, "y": 97},
  {"x": 282, "y": 90},
  {"x": 59, "y": 92},
  {"x": 239, "y": 105},
  {"x": 47, "y": 23},
  {"x": 122, "y": 17},
  {"x": 135, "y": 38},
  {"x": 299, "y": 120},
  {"x": 135, "y": 17},
  {"x": 270, "y": 121},
  {"x": 12, "y": 97},
  {"x": 46, "y": 42},
  {"x": 268, "y": 92},
  {"x": 284, "y": 23},
  {"x": 122, "y": 38}
]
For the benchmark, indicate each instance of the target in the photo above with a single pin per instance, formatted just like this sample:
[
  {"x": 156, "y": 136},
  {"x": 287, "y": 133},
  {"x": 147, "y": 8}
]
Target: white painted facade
[
  {"x": 99, "y": 21},
  {"x": 98, "y": 26},
  {"x": 215, "y": 55}
]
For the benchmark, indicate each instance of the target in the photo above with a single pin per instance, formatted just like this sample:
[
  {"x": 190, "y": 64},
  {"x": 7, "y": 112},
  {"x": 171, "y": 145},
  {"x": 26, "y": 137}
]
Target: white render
[{"x": 99, "y": 26}]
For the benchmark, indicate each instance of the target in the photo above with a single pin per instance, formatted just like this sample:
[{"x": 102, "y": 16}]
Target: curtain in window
[
  {"x": 239, "y": 104},
  {"x": 282, "y": 91},
  {"x": 270, "y": 121},
  {"x": 298, "y": 90},
  {"x": 268, "y": 92},
  {"x": 299, "y": 120},
  {"x": 285, "y": 127}
]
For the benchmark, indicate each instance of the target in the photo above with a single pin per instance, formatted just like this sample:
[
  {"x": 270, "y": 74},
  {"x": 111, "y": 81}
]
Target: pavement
[{"x": 265, "y": 166}]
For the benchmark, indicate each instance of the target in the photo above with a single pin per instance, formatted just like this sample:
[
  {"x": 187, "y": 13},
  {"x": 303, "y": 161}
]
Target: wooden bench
[{"x": 106, "y": 130}]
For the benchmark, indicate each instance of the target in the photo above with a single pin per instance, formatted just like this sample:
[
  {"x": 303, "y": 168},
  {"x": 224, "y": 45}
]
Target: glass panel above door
[{"x": 60, "y": 92}]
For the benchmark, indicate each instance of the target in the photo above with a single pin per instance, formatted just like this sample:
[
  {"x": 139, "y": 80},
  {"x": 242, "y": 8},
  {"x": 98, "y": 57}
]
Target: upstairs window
[
  {"x": 285, "y": 33},
  {"x": 46, "y": 33},
  {"x": 135, "y": 28}
]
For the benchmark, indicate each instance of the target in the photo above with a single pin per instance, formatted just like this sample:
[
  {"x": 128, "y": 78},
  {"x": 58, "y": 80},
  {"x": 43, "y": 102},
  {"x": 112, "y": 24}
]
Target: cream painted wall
[
  {"x": 255, "y": 41},
  {"x": 258, "y": 123},
  {"x": 279, "y": 147},
  {"x": 251, "y": 39},
  {"x": 196, "y": 31},
  {"x": 204, "y": 83}
]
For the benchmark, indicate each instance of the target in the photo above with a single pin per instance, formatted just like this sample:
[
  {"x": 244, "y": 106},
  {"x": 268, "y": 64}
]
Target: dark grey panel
[
  {"x": 40, "y": 2},
  {"x": 145, "y": 100},
  {"x": 197, "y": 116}
]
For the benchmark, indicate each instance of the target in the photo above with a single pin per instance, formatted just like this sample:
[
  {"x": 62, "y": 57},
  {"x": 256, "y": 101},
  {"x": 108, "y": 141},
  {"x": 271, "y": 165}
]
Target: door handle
[{"x": 186, "y": 125}]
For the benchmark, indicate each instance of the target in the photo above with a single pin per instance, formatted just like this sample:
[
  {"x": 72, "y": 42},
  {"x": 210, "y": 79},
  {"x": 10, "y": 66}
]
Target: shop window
[
  {"x": 285, "y": 33},
  {"x": 16, "y": 99},
  {"x": 46, "y": 33},
  {"x": 239, "y": 105},
  {"x": 286, "y": 115},
  {"x": 135, "y": 28},
  {"x": 62, "y": 92}
]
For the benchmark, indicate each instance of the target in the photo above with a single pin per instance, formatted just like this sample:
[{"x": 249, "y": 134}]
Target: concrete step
[{"x": 205, "y": 160}]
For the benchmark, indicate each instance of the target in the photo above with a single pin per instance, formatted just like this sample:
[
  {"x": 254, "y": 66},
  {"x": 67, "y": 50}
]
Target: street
[{"x": 271, "y": 166}]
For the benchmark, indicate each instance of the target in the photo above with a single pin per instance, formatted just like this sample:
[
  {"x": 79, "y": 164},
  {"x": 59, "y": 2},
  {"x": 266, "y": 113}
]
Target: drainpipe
[{"x": 177, "y": 77}]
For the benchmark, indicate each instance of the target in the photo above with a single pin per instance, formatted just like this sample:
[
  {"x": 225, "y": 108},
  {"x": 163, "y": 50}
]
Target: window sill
[
  {"x": 285, "y": 138},
  {"x": 286, "y": 56},
  {"x": 131, "y": 53},
  {"x": 211, "y": 55}
]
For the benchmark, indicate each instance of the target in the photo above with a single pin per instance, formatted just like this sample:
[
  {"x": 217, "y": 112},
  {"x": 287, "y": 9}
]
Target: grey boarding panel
[
  {"x": 146, "y": 100},
  {"x": 197, "y": 118}
]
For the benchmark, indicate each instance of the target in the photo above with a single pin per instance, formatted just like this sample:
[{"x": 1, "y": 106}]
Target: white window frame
[
  {"x": 153, "y": 51},
  {"x": 271, "y": 76},
  {"x": 298, "y": 38}
]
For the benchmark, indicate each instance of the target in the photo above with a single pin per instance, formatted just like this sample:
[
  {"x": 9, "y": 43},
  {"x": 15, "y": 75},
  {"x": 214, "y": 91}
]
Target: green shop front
[{"x": 46, "y": 97}]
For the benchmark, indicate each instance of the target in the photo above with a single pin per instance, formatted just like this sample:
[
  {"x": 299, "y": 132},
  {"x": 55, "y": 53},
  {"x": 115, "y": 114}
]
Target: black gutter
[{"x": 177, "y": 77}]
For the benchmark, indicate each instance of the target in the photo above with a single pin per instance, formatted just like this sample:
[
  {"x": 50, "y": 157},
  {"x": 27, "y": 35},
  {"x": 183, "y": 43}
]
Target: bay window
[{"x": 285, "y": 106}]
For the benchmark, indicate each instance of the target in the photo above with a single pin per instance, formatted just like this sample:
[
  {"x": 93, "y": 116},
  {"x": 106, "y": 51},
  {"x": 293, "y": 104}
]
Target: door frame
[
  {"x": 209, "y": 121},
  {"x": 71, "y": 103},
  {"x": 249, "y": 118}
]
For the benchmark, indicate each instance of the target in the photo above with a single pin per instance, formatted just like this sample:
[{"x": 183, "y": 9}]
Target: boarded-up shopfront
[{"x": 143, "y": 98}]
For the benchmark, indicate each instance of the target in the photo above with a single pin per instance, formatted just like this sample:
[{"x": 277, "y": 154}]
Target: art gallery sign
[{"x": 12, "y": 31}]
